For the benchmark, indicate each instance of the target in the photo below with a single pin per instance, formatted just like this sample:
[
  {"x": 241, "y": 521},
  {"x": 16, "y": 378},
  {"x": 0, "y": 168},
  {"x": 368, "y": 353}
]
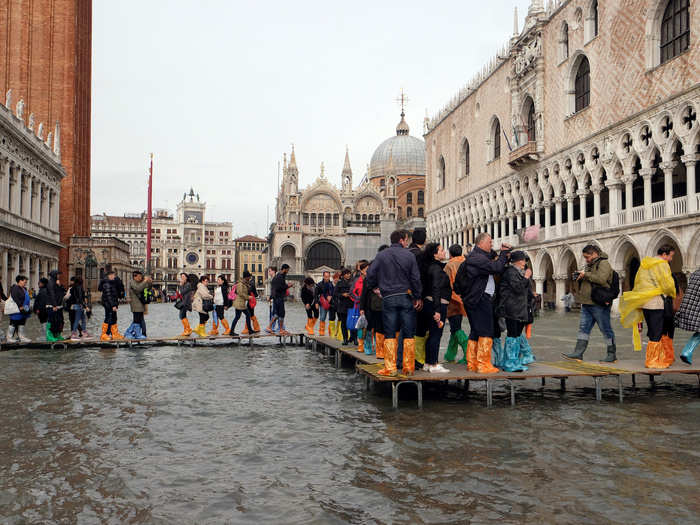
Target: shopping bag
[{"x": 353, "y": 316}]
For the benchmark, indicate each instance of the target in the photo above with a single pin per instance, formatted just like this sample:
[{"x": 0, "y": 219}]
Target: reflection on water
[{"x": 272, "y": 435}]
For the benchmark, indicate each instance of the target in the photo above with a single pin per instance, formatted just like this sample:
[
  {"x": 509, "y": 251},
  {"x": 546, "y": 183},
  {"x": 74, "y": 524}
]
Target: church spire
[
  {"x": 293, "y": 159},
  {"x": 347, "y": 173},
  {"x": 346, "y": 165},
  {"x": 402, "y": 127}
]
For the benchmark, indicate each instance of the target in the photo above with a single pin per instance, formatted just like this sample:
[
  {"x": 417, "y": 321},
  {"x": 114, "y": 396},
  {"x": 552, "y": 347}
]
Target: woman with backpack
[
  {"x": 344, "y": 302},
  {"x": 18, "y": 319},
  {"x": 202, "y": 303},
  {"x": 183, "y": 303},
  {"x": 137, "y": 301},
  {"x": 240, "y": 303}
]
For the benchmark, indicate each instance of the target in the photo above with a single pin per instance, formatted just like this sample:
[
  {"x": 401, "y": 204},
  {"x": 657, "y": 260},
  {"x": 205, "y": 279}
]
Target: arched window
[
  {"x": 496, "y": 140},
  {"x": 409, "y": 198},
  {"x": 420, "y": 212},
  {"x": 409, "y": 212},
  {"x": 564, "y": 41},
  {"x": 590, "y": 25},
  {"x": 531, "y": 134},
  {"x": 675, "y": 29},
  {"x": 465, "y": 157},
  {"x": 441, "y": 173},
  {"x": 582, "y": 85},
  {"x": 421, "y": 197}
]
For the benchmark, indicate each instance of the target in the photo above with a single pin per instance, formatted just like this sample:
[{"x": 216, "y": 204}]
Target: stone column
[
  {"x": 570, "y": 212},
  {"x": 43, "y": 206},
  {"x": 13, "y": 203},
  {"x": 519, "y": 220},
  {"x": 35, "y": 274},
  {"x": 690, "y": 181},
  {"x": 34, "y": 189},
  {"x": 614, "y": 192},
  {"x": 503, "y": 227},
  {"x": 5, "y": 260},
  {"x": 582, "y": 207},
  {"x": 667, "y": 168},
  {"x": 628, "y": 179},
  {"x": 539, "y": 288},
  {"x": 560, "y": 290},
  {"x": 15, "y": 266},
  {"x": 596, "y": 206},
  {"x": 557, "y": 216},
  {"x": 527, "y": 217},
  {"x": 511, "y": 228},
  {"x": 547, "y": 219},
  {"x": 646, "y": 174}
]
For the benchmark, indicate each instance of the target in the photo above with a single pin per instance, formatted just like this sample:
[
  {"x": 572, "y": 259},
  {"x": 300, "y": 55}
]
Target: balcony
[{"x": 525, "y": 154}]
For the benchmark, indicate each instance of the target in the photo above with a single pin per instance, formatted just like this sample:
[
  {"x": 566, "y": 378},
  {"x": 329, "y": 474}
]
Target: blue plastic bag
[{"x": 353, "y": 316}]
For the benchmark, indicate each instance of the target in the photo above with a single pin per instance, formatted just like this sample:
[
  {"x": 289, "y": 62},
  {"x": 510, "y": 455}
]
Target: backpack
[
  {"x": 604, "y": 296},
  {"x": 147, "y": 296},
  {"x": 232, "y": 293}
]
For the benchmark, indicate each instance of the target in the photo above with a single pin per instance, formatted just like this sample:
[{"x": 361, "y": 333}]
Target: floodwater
[{"x": 277, "y": 435}]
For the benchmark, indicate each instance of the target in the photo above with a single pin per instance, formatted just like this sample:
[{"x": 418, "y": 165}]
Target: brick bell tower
[{"x": 46, "y": 60}]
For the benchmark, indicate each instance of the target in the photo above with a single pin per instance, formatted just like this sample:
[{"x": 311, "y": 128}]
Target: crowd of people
[{"x": 396, "y": 306}]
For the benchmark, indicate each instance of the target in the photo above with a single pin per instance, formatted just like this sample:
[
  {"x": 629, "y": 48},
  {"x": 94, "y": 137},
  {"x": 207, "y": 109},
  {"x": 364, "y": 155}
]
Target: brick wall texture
[{"x": 45, "y": 58}]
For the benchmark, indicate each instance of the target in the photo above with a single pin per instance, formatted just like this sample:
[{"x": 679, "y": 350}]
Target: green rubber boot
[
  {"x": 451, "y": 351},
  {"x": 49, "y": 334},
  {"x": 462, "y": 340}
]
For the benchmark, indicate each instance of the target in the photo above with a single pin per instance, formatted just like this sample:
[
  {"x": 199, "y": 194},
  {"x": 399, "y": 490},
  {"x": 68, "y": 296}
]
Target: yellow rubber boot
[
  {"x": 105, "y": 335},
  {"x": 200, "y": 331},
  {"x": 331, "y": 328},
  {"x": 227, "y": 328},
  {"x": 420, "y": 349},
  {"x": 214, "y": 328}
]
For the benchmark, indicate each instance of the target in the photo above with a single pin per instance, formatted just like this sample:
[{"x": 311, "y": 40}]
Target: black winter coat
[
  {"x": 342, "y": 304},
  {"x": 110, "y": 292},
  {"x": 437, "y": 283},
  {"x": 473, "y": 274},
  {"x": 40, "y": 303},
  {"x": 514, "y": 296},
  {"x": 54, "y": 295},
  {"x": 308, "y": 296}
]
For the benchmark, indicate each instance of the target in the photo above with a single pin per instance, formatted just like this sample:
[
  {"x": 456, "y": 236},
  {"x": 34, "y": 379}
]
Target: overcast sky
[{"x": 218, "y": 90}]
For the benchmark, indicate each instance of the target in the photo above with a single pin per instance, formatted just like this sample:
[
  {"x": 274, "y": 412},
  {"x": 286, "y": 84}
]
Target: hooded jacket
[
  {"x": 40, "y": 303},
  {"x": 395, "y": 271},
  {"x": 653, "y": 279},
  {"x": 515, "y": 295},
  {"x": 598, "y": 272},
  {"x": 473, "y": 274},
  {"x": 110, "y": 292},
  {"x": 54, "y": 295}
]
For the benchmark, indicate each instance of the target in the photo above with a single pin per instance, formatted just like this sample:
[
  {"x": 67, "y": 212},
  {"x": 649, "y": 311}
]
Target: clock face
[
  {"x": 192, "y": 258},
  {"x": 193, "y": 217}
]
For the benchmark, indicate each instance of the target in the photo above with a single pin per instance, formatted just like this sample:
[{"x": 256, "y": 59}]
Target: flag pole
[{"x": 149, "y": 216}]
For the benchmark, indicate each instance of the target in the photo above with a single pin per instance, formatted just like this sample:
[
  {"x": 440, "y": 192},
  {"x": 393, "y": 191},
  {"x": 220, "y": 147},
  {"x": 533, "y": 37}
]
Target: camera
[{"x": 575, "y": 275}]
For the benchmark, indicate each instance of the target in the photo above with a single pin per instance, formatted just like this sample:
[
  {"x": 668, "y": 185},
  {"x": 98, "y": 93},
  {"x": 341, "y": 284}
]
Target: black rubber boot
[
  {"x": 581, "y": 345},
  {"x": 610, "y": 357}
]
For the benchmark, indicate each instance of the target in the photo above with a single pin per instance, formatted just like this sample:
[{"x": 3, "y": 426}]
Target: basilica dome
[{"x": 407, "y": 154}]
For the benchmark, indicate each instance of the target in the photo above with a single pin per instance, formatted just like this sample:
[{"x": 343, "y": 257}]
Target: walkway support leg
[
  {"x": 419, "y": 386},
  {"x": 489, "y": 393},
  {"x": 598, "y": 393},
  {"x": 395, "y": 394},
  {"x": 619, "y": 386}
]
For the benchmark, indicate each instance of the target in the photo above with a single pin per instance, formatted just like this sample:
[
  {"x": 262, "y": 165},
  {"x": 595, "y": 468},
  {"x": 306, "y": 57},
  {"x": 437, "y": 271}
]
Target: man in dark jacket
[
  {"x": 54, "y": 306},
  {"x": 324, "y": 294},
  {"x": 395, "y": 272},
  {"x": 418, "y": 238},
  {"x": 110, "y": 301},
  {"x": 476, "y": 285},
  {"x": 278, "y": 290}
]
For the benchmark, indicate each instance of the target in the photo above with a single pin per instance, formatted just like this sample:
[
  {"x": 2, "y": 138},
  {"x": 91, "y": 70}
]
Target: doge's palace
[{"x": 584, "y": 124}]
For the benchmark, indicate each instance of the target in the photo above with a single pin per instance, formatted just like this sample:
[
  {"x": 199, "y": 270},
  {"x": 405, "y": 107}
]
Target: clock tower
[{"x": 190, "y": 219}]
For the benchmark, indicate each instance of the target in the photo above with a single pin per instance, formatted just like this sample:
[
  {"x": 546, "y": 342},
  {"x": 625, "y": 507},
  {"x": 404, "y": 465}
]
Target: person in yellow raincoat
[{"x": 645, "y": 301}]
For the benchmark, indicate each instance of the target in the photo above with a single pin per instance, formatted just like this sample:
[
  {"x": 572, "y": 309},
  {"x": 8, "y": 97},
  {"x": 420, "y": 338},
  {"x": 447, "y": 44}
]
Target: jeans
[
  {"x": 398, "y": 314},
  {"x": 238, "y": 316},
  {"x": 278, "y": 307},
  {"x": 432, "y": 346},
  {"x": 455, "y": 324},
  {"x": 592, "y": 314},
  {"x": 323, "y": 313},
  {"x": 79, "y": 319}
]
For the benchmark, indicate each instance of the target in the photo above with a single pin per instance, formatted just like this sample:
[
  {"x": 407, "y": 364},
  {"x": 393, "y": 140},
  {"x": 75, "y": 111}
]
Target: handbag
[
  {"x": 11, "y": 306},
  {"x": 232, "y": 293},
  {"x": 361, "y": 323},
  {"x": 324, "y": 302},
  {"x": 178, "y": 304},
  {"x": 353, "y": 316},
  {"x": 207, "y": 305},
  {"x": 252, "y": 301}
]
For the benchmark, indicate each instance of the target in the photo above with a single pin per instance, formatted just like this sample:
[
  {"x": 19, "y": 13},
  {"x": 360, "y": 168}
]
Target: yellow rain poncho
[{"x": 653, "y": 279}]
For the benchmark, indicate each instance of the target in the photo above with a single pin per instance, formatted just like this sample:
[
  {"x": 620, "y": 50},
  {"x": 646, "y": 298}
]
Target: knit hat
[{"x": 518, "y": 255}]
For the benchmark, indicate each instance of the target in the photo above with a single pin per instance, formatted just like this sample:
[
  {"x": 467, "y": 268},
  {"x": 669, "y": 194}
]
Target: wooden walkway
[
  {"x": 368, "y": 366},
  {"x": 194, "y": 340}
]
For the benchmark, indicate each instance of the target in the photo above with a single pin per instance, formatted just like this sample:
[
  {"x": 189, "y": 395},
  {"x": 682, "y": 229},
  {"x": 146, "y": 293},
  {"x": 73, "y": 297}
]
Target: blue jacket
[
  {"x": 21, "y": 297},
  {"x": 395, "y": 271},
  {"x": 473, "y": 274}
]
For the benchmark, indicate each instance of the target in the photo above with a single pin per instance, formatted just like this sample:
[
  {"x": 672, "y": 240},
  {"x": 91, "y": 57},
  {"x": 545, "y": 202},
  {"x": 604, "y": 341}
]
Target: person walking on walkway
[
  {"x": 78, "y": 305},
  {"x": 308, "y": 299},
  {"x": 40, "y": 304},
  {"x": 515, "y": 299},
  {"x": 395, "y": 272},
  {"x": 250, "y": 307},
  {"x": 279, "y": 289},
  {"x": 359, "y": 336},
  {"x": 3, "y": 298},
  {"x": 334, "y": 322},
  {"x": 183, "y": 303},
  {"x": 647, "y": 300},
  {"x": 688, "y": 316},
  {"x": 137, "y": 302},
  {"x": 371, "y": 308},
  {"x": 202, "y": 303},
  {"x": 343, "y": 302},
  {"x": 110, "y": 301},
  {"x": 476, "y": 285},
  {"x": 597, "y": 273},
  {"x": 221, "y": 304},
  {"x": 437, "y": 293},
  {"x": 455, "y": 310},
  {"x": 54, "y": 306},
  {"x": 240, "y": 304},
  {"x": 423, "y": 318},
  {"x": 18, "y": 319},
  {"x": 324, "y": 293}
]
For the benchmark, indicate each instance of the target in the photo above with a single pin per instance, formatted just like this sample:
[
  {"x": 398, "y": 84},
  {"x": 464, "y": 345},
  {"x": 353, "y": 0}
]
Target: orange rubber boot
[
  {"x": 105, "y": 334},
  {"x": 255, "y": 323},
  {"x": 483, "y": 356},
  {"x": 227, "y": 328},
  {"x": 214, "y": 328},
  {"x": 654, "y": 355},
  {"x": 310, "y": 326},
  {"x": 116, "y": 336},
  {"x": 245, "y": 328},
  {"x": 471, "y": 355},
  {"x": 186, "y": 328},
  {"x": 389, "y": 359},
  {"x": 668, "y": 355},
  {"x": 322, "y": 328},
  {"x": 380, "y": 345},
  {"x": 409, "y": 357}
]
